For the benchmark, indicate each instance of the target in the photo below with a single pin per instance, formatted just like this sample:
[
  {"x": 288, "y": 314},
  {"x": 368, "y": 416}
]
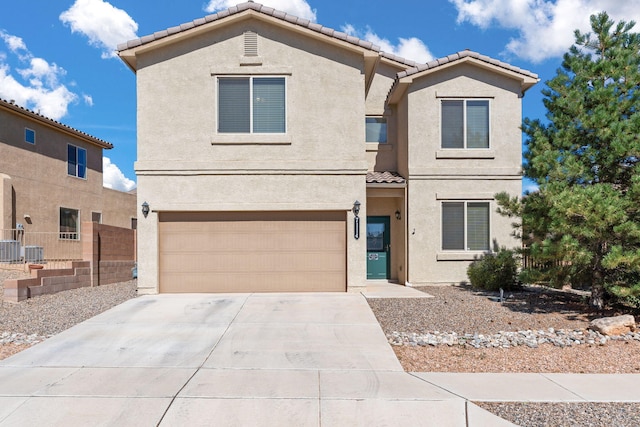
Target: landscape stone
[{"x": 617, "y": 325}]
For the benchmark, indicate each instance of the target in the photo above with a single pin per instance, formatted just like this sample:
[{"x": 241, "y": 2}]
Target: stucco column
[{"x": 6, "y": 202}]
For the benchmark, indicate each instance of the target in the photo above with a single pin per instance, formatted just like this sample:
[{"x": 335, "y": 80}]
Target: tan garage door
[{"x": 252, "y": 251}]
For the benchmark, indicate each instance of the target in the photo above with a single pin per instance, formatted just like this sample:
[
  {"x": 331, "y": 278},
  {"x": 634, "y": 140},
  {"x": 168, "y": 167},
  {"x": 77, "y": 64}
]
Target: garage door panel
[
  {"x": 227, "y": 241},
  {"x": 256, "y": 262},
  {"x": 252, "y": 252}
]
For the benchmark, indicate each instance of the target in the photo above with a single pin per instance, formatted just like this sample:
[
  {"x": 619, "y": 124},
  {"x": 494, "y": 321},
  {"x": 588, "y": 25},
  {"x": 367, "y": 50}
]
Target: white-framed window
[
  {"x": 251, "y": 104},
  {"x": 69, "y": 224},
  {"x": 376, "y": 129},
  {"x": 465, "y": 123},
  {"x": 76, "y": 161},
  {"x": 29, "y": 136},
  {"x": 465, "y": 226}
]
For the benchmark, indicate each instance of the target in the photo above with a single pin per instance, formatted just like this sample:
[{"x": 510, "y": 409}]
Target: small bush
[{"x": 494, "y": 271}]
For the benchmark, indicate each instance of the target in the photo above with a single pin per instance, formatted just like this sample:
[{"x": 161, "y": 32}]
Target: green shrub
[{"x": 494, "y": 271}]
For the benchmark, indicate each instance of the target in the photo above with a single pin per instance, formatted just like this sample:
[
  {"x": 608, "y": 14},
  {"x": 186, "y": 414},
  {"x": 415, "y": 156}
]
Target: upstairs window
[
  {"x": 29, "y": 136},
  {"x": 376, "y": 130},
  {"x": 465, "y": 226},
  {"x": 465, "y": 124},
  {"x": 76, "y": 161},
  {"x": 69, "y": 221},
  {"x": 251, "y": 105}
]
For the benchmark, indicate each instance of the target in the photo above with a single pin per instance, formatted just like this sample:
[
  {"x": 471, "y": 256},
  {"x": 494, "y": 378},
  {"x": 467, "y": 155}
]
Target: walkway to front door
[{"x": 378, "y": 247}]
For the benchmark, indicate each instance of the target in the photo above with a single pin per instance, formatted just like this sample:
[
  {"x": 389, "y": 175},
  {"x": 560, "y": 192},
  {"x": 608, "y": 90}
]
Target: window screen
[
  {"x": 453, "y": 226},
  {"x": 376, "y": 129},
  {"x": 251, "y": 105}
]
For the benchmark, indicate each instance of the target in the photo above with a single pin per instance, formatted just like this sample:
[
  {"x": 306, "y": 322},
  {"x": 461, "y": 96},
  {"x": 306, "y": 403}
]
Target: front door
[{"x": 378, "y": 247}]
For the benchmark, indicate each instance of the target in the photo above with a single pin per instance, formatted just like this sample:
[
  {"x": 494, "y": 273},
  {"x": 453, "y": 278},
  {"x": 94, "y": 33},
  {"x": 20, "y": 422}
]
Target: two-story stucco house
[
  {"x": 51, "y": 182},
  {"x": 279, "y": 155}
]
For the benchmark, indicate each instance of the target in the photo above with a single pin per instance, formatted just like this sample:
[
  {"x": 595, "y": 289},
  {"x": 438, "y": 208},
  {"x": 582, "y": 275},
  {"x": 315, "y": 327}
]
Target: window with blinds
[
  {"x": 251, "y": 105},
  {"x": 465, "y": 124},
  {"x": 465, "y": 226}
]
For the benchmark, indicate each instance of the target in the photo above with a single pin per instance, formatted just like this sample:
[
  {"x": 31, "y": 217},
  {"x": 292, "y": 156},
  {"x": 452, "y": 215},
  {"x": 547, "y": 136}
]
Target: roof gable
[
  {"x": 405, "y": 78},
  {"x": 127, "y": 50}
]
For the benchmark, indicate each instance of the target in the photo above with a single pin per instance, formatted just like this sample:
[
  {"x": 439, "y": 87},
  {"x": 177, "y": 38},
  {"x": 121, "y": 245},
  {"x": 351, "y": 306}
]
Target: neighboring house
[
  {"x": 259, "y": 132},
  {"x": 51, "y": 182}
]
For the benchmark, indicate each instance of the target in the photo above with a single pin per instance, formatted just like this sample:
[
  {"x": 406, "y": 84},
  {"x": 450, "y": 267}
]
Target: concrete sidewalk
[{"x": 251, "y": 359}]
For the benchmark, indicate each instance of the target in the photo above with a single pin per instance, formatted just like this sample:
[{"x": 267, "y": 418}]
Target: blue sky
[{"x": 57, "y": 57}]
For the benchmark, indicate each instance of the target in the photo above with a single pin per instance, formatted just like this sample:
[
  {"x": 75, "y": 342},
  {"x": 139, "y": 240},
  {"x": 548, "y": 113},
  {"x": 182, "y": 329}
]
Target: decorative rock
[
  {"x": 559, "y": 338},
  {"x": 618, "y": 325}
]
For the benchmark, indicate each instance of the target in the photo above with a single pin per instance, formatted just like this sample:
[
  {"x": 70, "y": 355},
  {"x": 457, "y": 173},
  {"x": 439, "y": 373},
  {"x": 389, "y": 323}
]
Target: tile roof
[
  {"x": 385, "y": 177},
  {"x": 10, "y": 105},
  {"x": 250, "y": 5},
  {"x": 461, "y": 55}
]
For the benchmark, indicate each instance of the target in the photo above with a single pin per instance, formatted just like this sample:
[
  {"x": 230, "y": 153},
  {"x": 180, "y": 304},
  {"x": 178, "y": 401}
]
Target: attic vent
[{"x": 250, "y": 44}]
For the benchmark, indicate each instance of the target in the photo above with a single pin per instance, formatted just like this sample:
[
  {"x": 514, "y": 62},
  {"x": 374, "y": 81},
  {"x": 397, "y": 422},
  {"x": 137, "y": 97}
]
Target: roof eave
[
  {"x": 16, "y": 109},
  {"x": 145, "y": 44}
]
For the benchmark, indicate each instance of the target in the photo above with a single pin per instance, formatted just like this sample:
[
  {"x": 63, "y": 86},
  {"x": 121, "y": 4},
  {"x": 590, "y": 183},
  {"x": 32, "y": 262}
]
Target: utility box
[
  {"x": 9, "y": 251},
  {"x": 33, "y": 254}
]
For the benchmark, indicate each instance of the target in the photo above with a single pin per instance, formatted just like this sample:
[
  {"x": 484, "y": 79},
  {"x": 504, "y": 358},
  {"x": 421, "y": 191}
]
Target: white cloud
[
  {"x": 299, "y": 8},
  {"x": 545, "y": 27},
  {"x": 412, "y": 48},
  {"x": 105, "y": 25},
  {"x": 112, "y": 177},
  {"x": 37, "y": 86},
  {"x": 87, "y": 99},
  {"x": 14, "y": 43}
]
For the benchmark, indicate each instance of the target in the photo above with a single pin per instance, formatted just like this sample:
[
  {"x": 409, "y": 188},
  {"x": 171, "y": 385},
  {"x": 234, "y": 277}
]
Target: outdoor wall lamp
[
  {"x": 145, "y": 209},
  {"x": 398, "y": 216},
  {"x": 356, "y": 220},
  {"x": 356, "y": 207}
]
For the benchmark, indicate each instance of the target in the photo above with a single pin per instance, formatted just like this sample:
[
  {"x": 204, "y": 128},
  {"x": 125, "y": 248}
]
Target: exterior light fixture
[
  {"x": 356, "y": 207},
  {"x": 398, "y": 216},
  {"x": 145, "y": 209},
  {"x": 356, "y": 220}
]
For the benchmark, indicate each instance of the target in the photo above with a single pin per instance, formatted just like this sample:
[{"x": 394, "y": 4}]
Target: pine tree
[{"x": 584, "y": 222}]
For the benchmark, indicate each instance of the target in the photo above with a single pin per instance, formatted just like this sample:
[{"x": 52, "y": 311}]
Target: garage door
[{"x": 252, "y": 251}]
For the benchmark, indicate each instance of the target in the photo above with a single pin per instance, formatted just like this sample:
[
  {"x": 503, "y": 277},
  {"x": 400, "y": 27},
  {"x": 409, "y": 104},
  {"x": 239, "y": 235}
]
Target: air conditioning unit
[
  {"x": 9, "y": 251},
  {"x": 33, "y": 254}
]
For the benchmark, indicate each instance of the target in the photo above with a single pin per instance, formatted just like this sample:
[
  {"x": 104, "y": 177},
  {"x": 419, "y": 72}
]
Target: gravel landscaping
[
  {"x": 459, "y": 330},
  {"x": 33, "y": 320},
  {"x": 534, "y": 331}
]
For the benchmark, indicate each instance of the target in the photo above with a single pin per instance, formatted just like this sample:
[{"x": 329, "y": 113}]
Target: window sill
[
  {"x": 251, "y": 139},
  {"x": 376, "y": 146},
  {"x": 466, "y": 154},
  {"x": 459, "y": 256}
]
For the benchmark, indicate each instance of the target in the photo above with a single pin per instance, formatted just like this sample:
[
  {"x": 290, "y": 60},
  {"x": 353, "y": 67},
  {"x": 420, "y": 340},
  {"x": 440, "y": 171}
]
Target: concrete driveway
[{"x": 228, "y": 360}]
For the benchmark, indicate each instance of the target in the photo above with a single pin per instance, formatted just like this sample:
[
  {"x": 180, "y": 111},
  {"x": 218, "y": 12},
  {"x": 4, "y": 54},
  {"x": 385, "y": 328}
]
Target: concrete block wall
[
  {"x": 51, "y": 281},
  {"x": 111, "y": 251},
  {"x": 108, "y": 253}
]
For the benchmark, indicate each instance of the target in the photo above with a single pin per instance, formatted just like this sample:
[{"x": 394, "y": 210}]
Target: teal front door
[{"x": 378, "y": 247}]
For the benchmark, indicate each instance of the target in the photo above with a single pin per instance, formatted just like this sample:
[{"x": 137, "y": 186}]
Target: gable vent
[{"x": 250, "y": 44}]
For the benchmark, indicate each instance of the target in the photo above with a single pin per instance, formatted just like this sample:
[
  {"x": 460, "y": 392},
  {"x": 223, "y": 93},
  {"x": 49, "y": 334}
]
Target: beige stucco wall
[
  {"x": 184, "y": 165},
  {"x": 425, "y": 158},
  {"x": 119, "y": 208},
  {"x": 382, "y": 157},
  {"x": 438, "y": 175},
  {"x": 39, "y": 176},
  {"x": 428, "y": 263}
]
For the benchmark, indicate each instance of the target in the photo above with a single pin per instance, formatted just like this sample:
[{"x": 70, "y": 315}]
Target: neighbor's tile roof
[
  {"x": 269, "y": 12},
  {"x": 461, "y": 55},
  {"x": 385, "y": 178},
  {"x": 10, "y": 105}
]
